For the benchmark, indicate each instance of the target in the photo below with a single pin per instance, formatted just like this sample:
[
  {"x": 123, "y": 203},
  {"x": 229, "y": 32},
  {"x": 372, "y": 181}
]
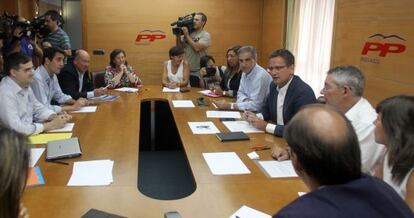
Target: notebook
[
  {"x": 65, "y": 148},
  {"x": 232, "y": 136}
]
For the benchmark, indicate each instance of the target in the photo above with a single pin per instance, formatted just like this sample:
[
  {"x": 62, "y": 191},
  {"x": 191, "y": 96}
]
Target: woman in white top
[
  {"x": 176, "y": 70},
  {"x": 394, "y": 128}
]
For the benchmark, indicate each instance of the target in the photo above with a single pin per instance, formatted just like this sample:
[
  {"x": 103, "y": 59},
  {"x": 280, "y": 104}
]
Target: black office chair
[{"x": 98, "y": 79}]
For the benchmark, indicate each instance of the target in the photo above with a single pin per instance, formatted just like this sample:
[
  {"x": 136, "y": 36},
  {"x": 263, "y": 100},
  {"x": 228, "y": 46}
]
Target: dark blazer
[
  {"x": 69, "y": 82},
  {"x": 234, "y": 82},
  {"x": 366, "y": 197},
  {"x": 298, "y": 94}
]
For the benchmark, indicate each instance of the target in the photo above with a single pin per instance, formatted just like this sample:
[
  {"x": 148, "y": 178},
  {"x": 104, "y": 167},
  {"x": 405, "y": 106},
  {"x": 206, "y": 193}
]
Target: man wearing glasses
[{"x": 287, "y": 94}]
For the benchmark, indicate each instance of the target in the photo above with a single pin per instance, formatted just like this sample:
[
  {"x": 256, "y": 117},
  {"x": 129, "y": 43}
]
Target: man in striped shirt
[{"x": 57, "y": 37}]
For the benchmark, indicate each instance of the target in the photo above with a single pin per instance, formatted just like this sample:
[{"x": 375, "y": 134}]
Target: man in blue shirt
[
  {"x": 57, "y": 37},
  {"x": 254, "y": 84},
  {"x": 46, "y": 86},
  {"x": 19, "y": 109}
]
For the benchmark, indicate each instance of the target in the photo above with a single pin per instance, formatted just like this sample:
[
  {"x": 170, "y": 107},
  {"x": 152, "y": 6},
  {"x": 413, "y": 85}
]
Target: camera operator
[
  {"x": 57, "y": 37},
  {"x": 195, "y": 45}
]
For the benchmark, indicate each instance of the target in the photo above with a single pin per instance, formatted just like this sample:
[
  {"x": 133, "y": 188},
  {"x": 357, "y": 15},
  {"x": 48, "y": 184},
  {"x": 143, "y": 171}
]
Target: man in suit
[
  {"x": 287, "y": 94},
  {"x": 75, "y": 79},
  {"x": 325, "y": 154}
]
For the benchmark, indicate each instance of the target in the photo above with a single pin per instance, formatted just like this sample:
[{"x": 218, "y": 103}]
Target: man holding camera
[{"x": 195, "y": 44}]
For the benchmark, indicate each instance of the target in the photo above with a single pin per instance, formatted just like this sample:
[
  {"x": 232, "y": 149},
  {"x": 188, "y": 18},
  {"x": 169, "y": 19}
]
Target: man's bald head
[
  {"x": 325, "y": 145},
  {"x": 81, "y": 60}
]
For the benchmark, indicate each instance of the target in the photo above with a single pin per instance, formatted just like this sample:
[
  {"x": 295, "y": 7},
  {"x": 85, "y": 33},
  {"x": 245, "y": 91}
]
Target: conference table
[{"x": 112, "y": 132}]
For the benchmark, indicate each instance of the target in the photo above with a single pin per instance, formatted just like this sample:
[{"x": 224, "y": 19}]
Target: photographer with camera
[
  {"x": 210, "y": 73},
  {"x": 57, "y": 36},
  {"x": 195, "y": 44}
]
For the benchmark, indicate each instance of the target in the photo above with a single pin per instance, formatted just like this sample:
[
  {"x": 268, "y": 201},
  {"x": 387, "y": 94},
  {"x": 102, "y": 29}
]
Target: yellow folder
[{"x": 46, "y": 137}]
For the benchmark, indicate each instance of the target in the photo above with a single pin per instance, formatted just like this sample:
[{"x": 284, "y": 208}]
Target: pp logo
[
  {"x": 384, "y": 48},
  {"x": 148, "y": 36}
]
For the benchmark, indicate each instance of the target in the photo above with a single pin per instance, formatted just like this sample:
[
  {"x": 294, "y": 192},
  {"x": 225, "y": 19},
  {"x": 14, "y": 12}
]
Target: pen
[
  {"x": 261, "y": 149},
  {"x": 106, "y": 86},
  {"x": 58, "y": 162},
  {"x": 214, "y": 105}
]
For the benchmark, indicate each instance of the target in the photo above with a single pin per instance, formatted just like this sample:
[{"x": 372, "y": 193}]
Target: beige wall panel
[
  {"x": 109, "y": 25},
  {"x": 273, "y": 28},
  {"x": 358, "y": 20}
]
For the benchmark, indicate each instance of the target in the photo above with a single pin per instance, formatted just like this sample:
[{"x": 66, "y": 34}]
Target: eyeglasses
[{"x": 278, "y": 68}]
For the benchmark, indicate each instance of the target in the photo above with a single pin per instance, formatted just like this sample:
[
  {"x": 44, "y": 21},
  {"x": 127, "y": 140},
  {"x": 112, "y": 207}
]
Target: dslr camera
[{"x": 185, "y": 21}]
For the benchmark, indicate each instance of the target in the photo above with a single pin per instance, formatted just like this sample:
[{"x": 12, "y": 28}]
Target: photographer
[
  {"x": 210, "y": 73},
  {"x": 57, "y": 36},
  {"x": 195, "y": 45}
]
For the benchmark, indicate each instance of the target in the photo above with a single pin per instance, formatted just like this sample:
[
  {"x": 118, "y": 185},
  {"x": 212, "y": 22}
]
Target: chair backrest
[{"x": 98, "y": 79}]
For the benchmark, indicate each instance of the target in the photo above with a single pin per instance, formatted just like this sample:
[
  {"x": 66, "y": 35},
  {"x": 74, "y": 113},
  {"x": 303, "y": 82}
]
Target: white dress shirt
[
  {"x": 47, "y": 88},
  {"x": 362, "y": 115},
  {"x": 19, "y": 109}
]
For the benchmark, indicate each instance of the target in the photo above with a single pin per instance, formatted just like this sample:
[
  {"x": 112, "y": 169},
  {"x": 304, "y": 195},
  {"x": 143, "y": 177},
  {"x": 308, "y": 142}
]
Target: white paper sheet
[
  {"x": 35, "y": 154},
  {"x": 165, "y": 89},
  {"x": 203, "y": 127},
  {"x": 225, "y": 163},
  {"x": 223, "y": 114},
  {"x": 92, "y": 173},
  {"x": 253, "y": 155},
  {"x": 248, "y": 212},
  {"x": 278, "y": 169},
  {"x": 241, "y": 125},
  {"x": 301, "y": 193},
  {"x": 67, "y": 128},
  {"x": 87, "y": 109},
  {"x": 127, "y": 89},
  {"x": 183, "y": 103},
  {"x": 204, "y": 91}
]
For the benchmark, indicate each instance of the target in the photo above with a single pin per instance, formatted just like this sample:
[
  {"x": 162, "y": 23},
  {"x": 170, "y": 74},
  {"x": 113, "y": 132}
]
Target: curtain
[{"x": 312, "y": 40}]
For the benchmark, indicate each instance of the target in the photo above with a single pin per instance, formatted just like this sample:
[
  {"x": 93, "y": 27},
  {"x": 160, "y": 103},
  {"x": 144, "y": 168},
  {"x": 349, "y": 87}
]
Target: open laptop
[{"x": 61, "y": 149}]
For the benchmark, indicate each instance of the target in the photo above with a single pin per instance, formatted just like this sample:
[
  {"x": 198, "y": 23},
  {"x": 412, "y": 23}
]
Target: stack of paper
[
  {"x": 67, "y": 128},
  {"x": 87, "y": 109},
  {"x": 278, "y": 169},
  {"x": 225, "y": 163},
  {"x": 223, "y": 114},
  {"x": 203, "y": 128},
  {"x": 92, "y": 173},
  {"x": 183, "y": 103},
  {"x": 35, "y": 154},
  {"x": 165, "y": 89},
  {"x": 127, "y": 89},
  {"x": 246, "y": 211},
  {"x": 241, "y": 126}
]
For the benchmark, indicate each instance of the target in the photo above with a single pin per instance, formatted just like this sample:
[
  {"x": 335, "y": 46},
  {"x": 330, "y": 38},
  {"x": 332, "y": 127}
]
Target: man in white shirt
[
  {"x": 46, "y": 87},
  {"x": 254, "y": 84},
  {"x": 287, "y": 94},
  {"x": 343, "y": 90},
  {"x": 19, "y": 109}
]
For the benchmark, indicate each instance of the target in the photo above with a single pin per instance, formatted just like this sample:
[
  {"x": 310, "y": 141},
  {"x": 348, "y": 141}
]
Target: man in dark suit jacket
[
  {"x": 325, "y": 154},
  {"x": 287, "y": 94},
  {"x": 75, "y": 79}
]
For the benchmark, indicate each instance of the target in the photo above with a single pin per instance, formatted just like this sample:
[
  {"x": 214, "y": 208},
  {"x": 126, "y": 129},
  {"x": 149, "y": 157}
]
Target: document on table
[
  {"x": 225, "y": 163},
  {"x": 165, "y": 89},
  {"x": 35, "y": 154},
  {"x": 105, "y": 98},
  {"x": 223, "y": 114},
  {"x": 249, "y": 212},
  {"x": 92, "y": 173},
  {"x": 44, "y": 138},
  {"x": 86, "y": 109},
  {"x": 278, "y": 169},
  {"x": 183, "y": 103},
  {"x": 67, "y": 128},
  {"x": 204, "y": 91},
  {"x": 127, "y": 89},
  {"x": 203, "y": 127},
  {"x": 241, "y": 126}
]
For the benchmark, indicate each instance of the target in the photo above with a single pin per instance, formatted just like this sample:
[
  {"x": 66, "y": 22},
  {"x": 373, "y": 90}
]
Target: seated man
[
  {"x": 19, "y": 109},
  {"x": 325, "y": 154},
  {"x": 344, "y": 87},
  {"x": 46, "y": 87},
  {"x": 75, "y": 79},
  {"x": 287, "y": 94},
  {"x": 254, "y": 84}
]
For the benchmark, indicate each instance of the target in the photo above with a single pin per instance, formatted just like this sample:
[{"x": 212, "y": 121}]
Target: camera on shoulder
[{"x": 185, "y": 21}]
